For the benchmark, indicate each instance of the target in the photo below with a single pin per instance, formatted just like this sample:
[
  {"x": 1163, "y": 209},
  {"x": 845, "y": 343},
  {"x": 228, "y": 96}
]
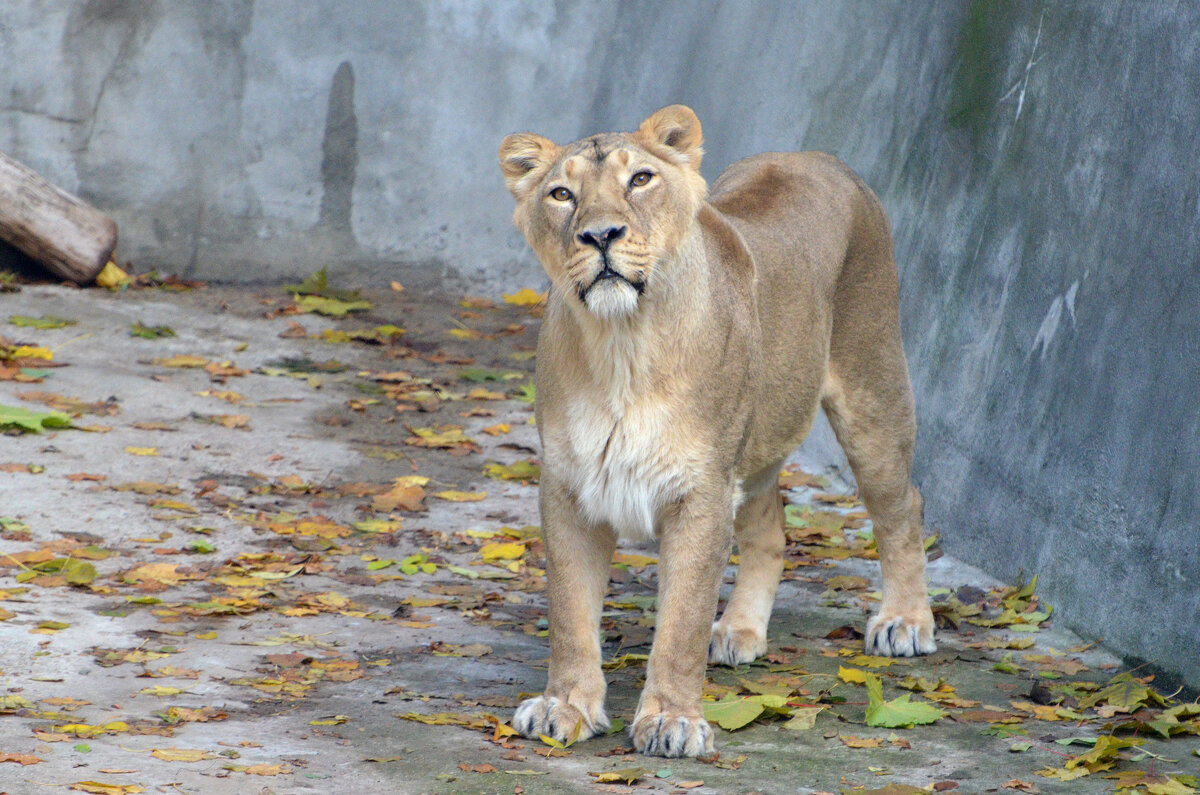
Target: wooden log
[{"x": 69, "y": 237}]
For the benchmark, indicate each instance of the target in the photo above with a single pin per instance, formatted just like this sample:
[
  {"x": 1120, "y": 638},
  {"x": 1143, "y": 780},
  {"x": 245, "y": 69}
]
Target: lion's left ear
[
  {"x": 523, "y": 157},
  {"x": 676, "y": 129}
]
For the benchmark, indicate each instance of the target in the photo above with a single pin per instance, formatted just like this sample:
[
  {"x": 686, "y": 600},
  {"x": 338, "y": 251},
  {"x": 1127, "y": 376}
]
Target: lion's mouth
[{"x": 606, "y": 274}]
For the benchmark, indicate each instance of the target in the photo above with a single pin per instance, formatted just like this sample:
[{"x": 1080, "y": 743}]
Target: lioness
[{"x": 688, "y": 340}]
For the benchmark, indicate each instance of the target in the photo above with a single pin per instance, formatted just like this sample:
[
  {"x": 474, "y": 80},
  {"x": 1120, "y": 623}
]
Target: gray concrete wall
[{"x": 1038, "y": 161}]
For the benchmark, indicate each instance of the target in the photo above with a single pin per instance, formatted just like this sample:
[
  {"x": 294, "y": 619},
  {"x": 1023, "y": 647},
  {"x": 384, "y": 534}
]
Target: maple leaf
[
  {"x": 899, "y": 712},
  {"x": 32, "y": 421}
]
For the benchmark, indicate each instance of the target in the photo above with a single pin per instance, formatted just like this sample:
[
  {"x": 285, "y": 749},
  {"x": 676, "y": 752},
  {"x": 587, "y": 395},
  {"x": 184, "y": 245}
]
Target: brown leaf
[{"x": 293, "y": 331}]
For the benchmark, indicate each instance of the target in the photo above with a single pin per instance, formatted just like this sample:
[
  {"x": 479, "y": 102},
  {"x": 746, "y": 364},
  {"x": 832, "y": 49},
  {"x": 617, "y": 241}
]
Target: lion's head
[{"x": 604, "y": 213}]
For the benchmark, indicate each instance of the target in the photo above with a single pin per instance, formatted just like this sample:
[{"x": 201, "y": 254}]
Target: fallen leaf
[
  {"x": 852, "y": 741},
  {"x": 525, "y": 297},
  {"x": 182, "y": 360},
  {"x": 32, "y": 421},
  {"x": 332, "y": 307},
  {"x": 112, "y": 277},
  {"x": 21, "y": 759},
  {"x": 142, "y": 450},
  {"x": 626, "y": 776},
  {"x": 461, "y": 496},
  {"x": 899, "y": 712},
  {"x": 181, "y": 754}
]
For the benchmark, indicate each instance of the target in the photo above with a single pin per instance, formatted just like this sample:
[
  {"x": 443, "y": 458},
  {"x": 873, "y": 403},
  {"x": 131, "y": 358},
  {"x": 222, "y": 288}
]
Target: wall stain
[{"x": 339, "y": 158}]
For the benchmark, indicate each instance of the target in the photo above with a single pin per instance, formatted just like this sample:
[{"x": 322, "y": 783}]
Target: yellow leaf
[
  {"x": 524, "y": 297},
  {"x": 411, "y": 480},
  {"x": 159, "y": 572},
  {"x": 441, "y": 437},
  {"x": 502, "y": 551},
  {"x": 497, "y": 429},
  {"x": 852, "y": 675},
  {"x": 161, "y": 690},
  {"x": 142, "y": 450},
  {"x": 465, "y": 333},
  {"x": 461, "y": 496},
  {"x": 397, "y": 287},
  {"x": 335, "y": 720},
  {"x": 98, "y": 787},
  {"x": 182, "y": 360},
  {"x": 210, "y": 635},
  {"x": 637, "y": 561},
  {"x": 29, "y": 352},
  {"x": 181, "y": 754},
  {"x": 111, "y": 276}
]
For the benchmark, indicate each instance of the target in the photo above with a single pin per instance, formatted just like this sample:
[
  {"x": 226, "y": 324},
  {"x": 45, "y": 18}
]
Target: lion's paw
[
  {"x": 664, "y": 734},
  {"x": 556, "y": 718},
  {"x": 732, "y": 646},
  {"x": 891, "y": 635}
]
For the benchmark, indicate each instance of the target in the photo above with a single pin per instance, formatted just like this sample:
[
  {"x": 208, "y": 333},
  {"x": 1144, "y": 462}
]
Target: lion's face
[{"x": 604, "y": 214}]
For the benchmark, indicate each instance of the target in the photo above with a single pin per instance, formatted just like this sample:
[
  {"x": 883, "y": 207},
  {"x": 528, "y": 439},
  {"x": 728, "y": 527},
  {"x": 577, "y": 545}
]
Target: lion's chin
[{"x": 611, "y": 298}]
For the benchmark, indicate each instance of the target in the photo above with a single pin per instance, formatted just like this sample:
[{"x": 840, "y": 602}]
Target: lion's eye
[
  {"x": 640, "y": 179},
  {"x": 561, "y": 195}
]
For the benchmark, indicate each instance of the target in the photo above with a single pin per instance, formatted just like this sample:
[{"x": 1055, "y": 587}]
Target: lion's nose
[{"x": 602, "y": 238}]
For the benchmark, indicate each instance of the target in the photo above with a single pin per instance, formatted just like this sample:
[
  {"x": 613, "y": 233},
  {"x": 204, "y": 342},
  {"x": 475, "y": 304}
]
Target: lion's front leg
[
  {"x": 578, "y": 559},
  {"x": 694, "y": 547}
]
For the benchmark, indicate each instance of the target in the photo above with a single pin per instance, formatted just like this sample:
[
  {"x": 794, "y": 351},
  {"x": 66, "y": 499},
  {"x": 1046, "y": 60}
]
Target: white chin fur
[{"x": 612, "y": 298}]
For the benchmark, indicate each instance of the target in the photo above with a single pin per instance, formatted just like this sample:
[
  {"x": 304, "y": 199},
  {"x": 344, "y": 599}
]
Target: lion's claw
[
  {"x": 664, "y": 734},
  {"x": 899, "y": 636},
  {"x": 553, "y": 717},
  {"x": 732, "y": 647}
]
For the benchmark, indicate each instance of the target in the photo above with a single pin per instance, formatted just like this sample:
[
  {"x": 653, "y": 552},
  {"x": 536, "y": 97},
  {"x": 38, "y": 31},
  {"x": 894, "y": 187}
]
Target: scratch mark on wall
[
  {"x": 1049, "y": 328},
  {"x": 1023, "y": 83}
]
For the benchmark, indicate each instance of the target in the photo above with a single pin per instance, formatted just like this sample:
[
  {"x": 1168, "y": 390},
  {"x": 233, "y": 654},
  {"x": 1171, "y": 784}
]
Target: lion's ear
[
  {"x": 522, "y": 158},
  {"x": 676, "y": 128}
]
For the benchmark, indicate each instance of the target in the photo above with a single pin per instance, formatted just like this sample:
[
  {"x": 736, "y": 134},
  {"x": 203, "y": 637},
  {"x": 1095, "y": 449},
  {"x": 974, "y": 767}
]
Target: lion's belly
[{"x": 624, "y": 470}]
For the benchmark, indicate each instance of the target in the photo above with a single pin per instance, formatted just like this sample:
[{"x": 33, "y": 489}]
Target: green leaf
[
  {"x": 201, "y": 546},
  {"x": 521, "y": 470},
  {"x": 318, "y": 284},
  {"x": 332, "y": 307},
  {"x": 527, "y": 393},
  {"x": 79, "y": 572},
  {"x": 376, "y": 565},
  {"x": 803, "y": 718},
  {"x": 32, "y": 421},
  {"x": 899, "y": 711},
  {"x": 42, "y": 323},
  {"x": 733, "y": 712},
  {"x": 150, "y": 332}
]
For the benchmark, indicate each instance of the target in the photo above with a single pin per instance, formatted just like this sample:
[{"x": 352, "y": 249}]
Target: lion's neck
[{"x": 632, "y": 357}]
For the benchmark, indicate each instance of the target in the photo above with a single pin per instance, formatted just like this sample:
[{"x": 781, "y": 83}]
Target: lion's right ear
[{"x": 523, "y": 157}]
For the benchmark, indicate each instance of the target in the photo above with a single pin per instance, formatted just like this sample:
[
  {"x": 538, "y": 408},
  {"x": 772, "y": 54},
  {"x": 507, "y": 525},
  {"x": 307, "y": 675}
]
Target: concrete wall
[{"x": 1038, "y": 161}]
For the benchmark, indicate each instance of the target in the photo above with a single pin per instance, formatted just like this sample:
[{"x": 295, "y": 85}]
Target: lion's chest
[{"x": 624, "y": 467}]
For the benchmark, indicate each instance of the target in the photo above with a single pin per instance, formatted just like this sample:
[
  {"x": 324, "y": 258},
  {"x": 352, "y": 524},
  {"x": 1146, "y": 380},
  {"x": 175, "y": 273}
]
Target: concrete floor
[{"x": 273, "y": 646}]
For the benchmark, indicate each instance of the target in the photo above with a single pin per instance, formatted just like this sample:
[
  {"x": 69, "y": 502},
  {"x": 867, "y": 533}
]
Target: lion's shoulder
[{"x": 764, "y": 187}]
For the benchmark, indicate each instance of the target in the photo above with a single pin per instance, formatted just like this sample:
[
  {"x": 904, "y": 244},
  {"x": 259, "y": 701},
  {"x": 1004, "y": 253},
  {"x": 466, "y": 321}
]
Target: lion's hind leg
[
  {"x": 871, "y": 414},
  {"x": 741, "y": 634}
]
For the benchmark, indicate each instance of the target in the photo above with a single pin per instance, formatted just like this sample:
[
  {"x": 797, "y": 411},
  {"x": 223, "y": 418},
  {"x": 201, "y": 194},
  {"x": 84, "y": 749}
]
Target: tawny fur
[{"x": 687, "y": 344}]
